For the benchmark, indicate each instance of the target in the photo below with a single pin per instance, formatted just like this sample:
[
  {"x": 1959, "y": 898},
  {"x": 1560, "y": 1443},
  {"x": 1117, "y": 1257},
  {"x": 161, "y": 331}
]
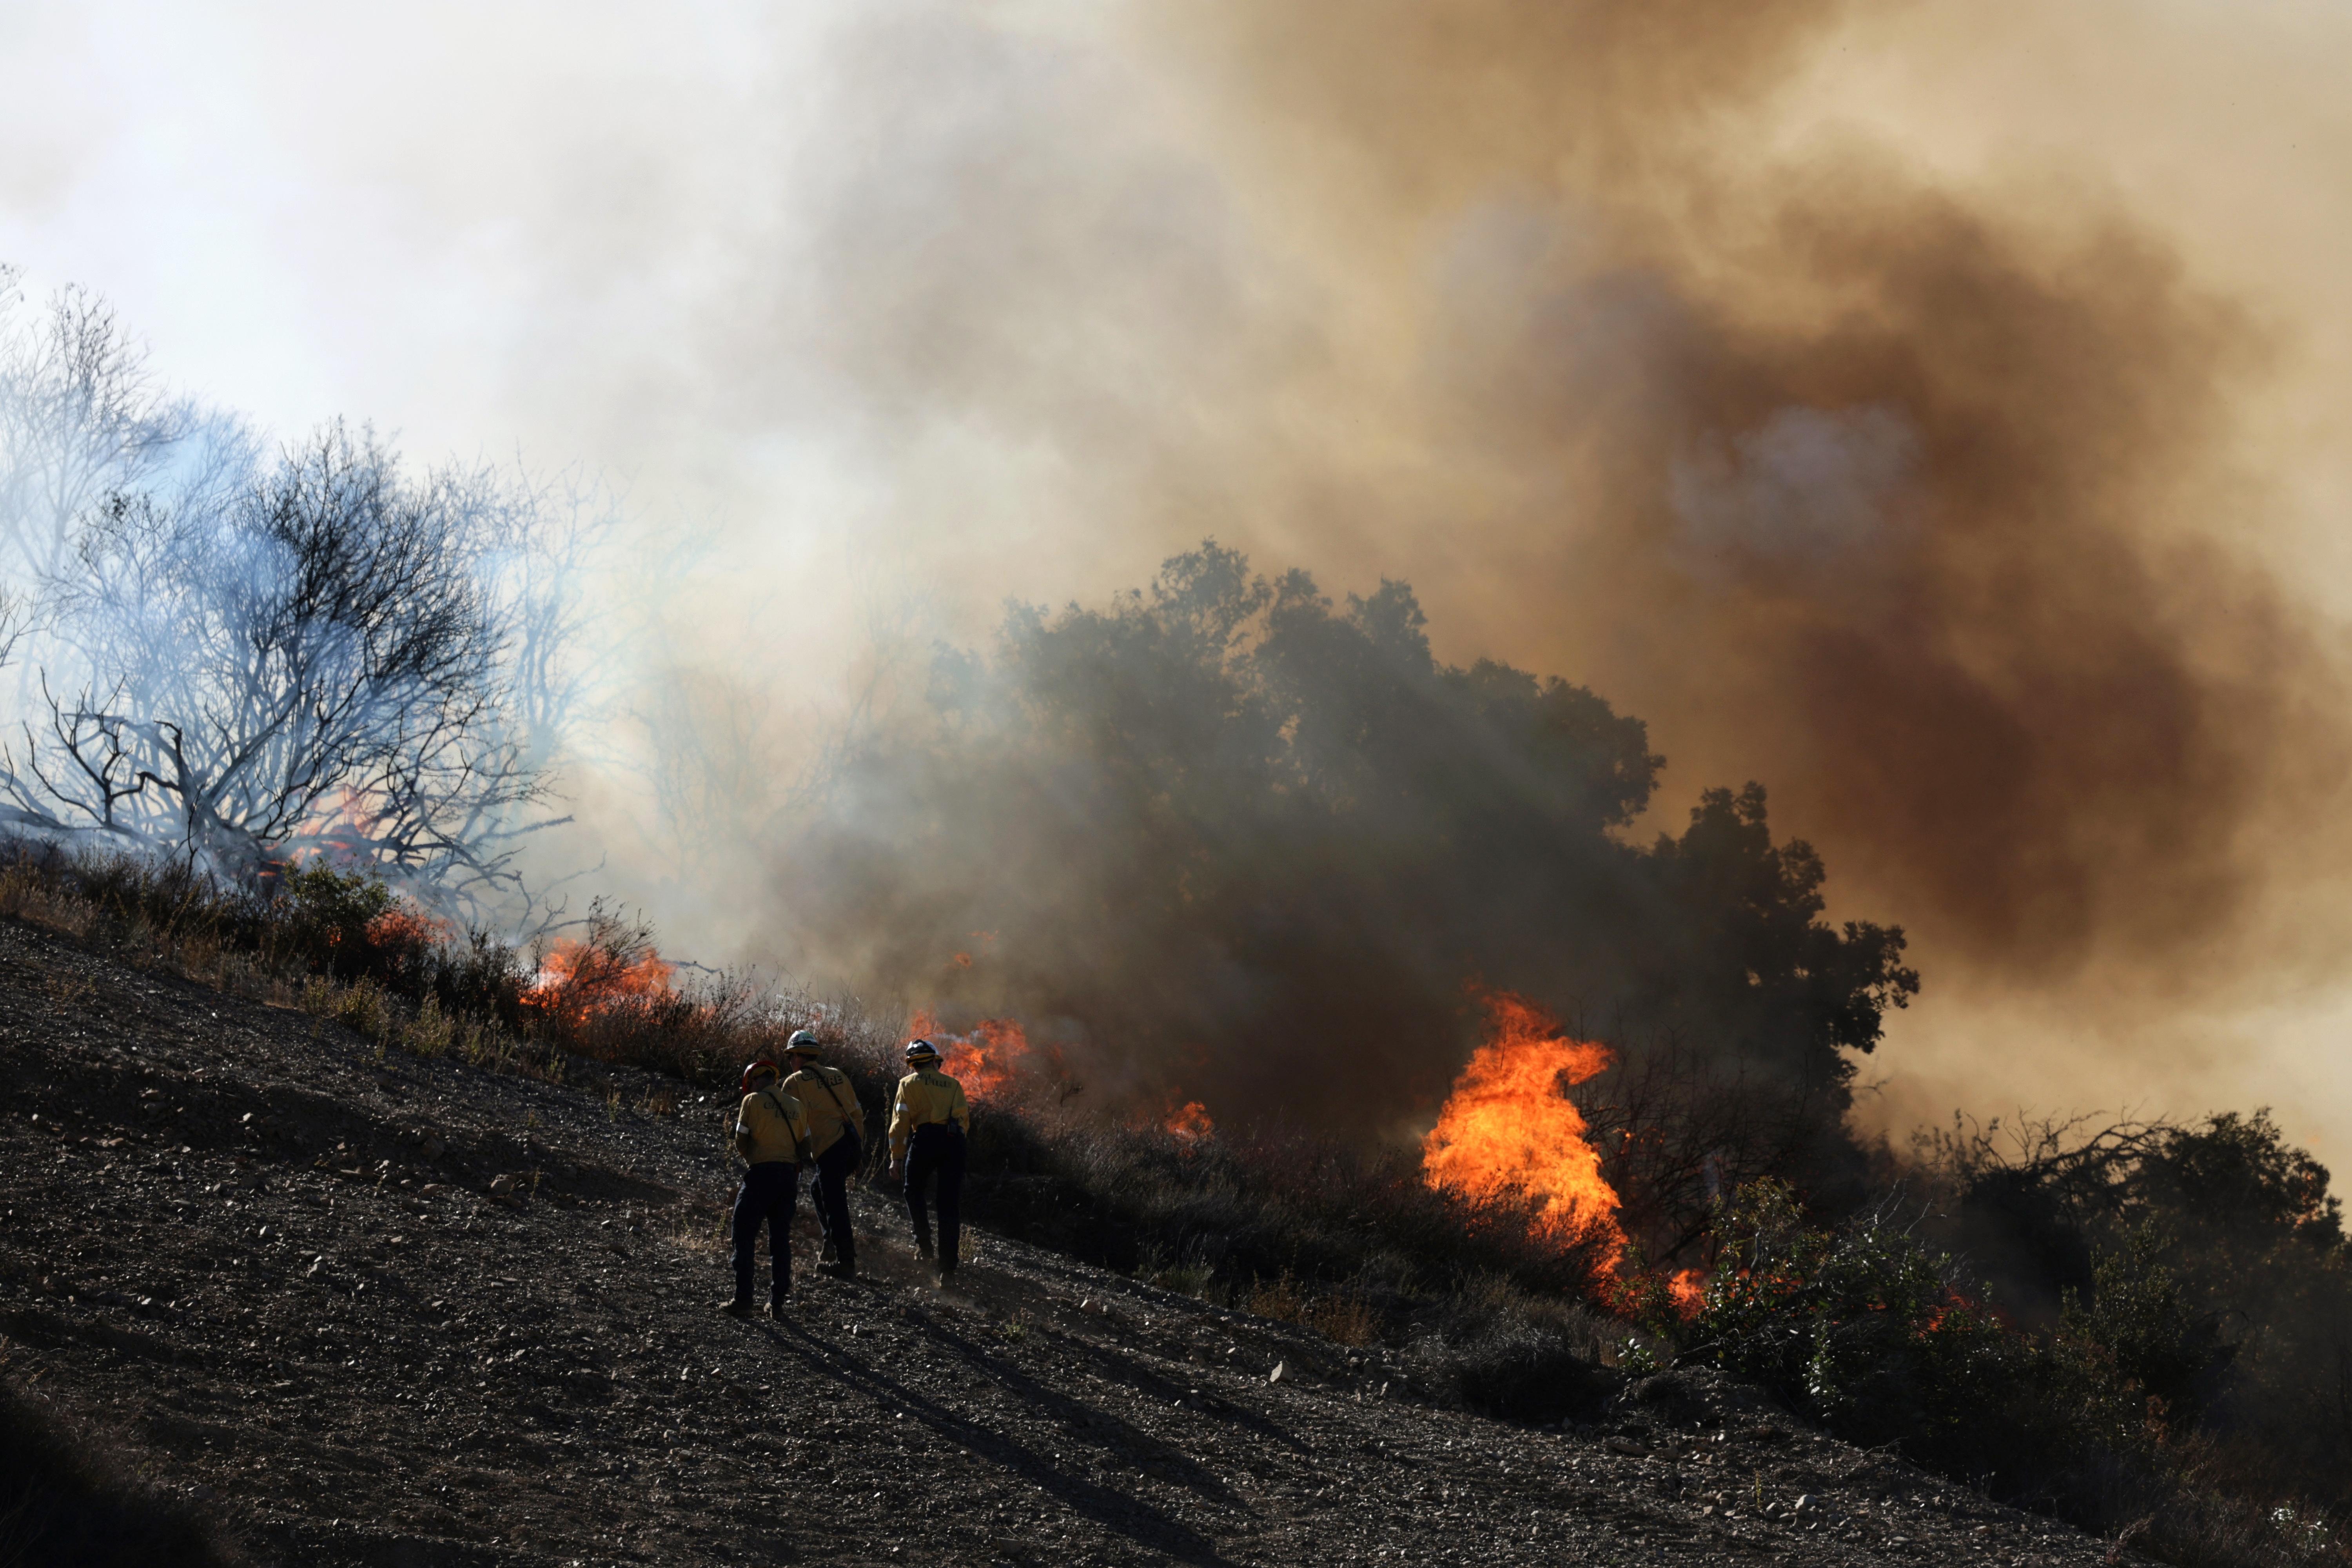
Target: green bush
[
  {"x": 1868, "y": 1332},
  {"x": 1861, "y": 1329}
]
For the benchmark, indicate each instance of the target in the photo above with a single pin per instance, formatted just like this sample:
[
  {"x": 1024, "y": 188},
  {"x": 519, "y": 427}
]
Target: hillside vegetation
[
  {"x": 267, "y": 1297},
  {"x": 2172, "y": 1399}
]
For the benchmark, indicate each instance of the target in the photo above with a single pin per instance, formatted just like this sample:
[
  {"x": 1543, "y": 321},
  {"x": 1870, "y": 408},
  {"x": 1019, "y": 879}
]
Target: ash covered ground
[{"x": 360, "y": 1310}]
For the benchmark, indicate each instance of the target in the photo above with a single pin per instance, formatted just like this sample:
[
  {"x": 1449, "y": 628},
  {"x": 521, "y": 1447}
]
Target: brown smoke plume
[
  {"x": 1920, "y": 498},
  {"x": 1902, "y": 498}
]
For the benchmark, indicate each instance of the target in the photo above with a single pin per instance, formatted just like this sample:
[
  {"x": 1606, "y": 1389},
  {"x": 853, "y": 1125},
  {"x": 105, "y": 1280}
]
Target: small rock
[{"x": 1275, "y": 1375}]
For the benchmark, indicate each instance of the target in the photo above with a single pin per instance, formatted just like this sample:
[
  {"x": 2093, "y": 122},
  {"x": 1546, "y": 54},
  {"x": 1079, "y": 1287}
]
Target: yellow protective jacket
[
  {"x": 771, "y": 1126},
  {"x": 832, "y": 1104},
  {"x": 926, "y": 1096}
]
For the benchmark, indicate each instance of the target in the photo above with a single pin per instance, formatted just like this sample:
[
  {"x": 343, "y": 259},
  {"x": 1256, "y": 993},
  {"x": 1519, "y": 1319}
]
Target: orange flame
[
  {"x": 1190, "y": 1121},
  {"x": 407, "y": 926},
  {"x": 344, "y": 826},
  {"x": 1688, "y": 1288},
  {"x": 986, "y": 1062},
  {"x": 1507, "y": 1128},
  {"x": 577, "y": 979}
]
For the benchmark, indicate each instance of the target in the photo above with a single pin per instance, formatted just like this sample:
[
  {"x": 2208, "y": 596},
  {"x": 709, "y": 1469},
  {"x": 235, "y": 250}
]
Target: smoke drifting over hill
[
  {"x": 1907, "y": 498},
  {"x": 1660, "y": 347},
  {"x": 1892, "y": 493}
]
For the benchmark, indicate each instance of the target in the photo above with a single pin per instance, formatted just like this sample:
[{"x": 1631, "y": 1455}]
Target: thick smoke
[
  {"x": 1914, "y": 500},
  {"x": 1902, "y": 405},
  {"x": 1229, "y": 838},
  {"x": 1903, "y": 498}
]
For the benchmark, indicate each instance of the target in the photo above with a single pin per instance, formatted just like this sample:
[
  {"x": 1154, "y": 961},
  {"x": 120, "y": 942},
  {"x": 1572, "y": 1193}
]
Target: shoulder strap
[{"x": 834, "y": 1087}]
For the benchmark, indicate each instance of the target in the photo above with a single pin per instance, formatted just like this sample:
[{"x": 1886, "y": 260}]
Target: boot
[
  {"x": 781, "y": 1308},
  {"x": 741, "y": 1307}
]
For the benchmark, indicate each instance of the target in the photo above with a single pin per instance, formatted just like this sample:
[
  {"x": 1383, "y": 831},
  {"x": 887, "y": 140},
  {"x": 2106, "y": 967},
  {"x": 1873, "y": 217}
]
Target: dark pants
[
  {"x": 831, "y": 1198},
  {"x": 766, "y": 1197},
  {"x": 937, "y": 1151}
]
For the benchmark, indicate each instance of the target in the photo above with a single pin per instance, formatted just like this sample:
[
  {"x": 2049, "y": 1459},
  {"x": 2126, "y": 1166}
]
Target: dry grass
[{"x": 698, "y": 1229}]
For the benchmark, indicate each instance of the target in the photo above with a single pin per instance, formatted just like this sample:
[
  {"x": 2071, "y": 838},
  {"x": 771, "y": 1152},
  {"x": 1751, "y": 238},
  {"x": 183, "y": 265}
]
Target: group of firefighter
[{"x": 809, "y": 1119}]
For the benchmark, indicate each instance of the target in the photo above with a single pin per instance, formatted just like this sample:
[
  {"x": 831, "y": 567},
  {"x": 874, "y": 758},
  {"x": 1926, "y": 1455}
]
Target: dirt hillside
[{"x": 401, "y": 1313}]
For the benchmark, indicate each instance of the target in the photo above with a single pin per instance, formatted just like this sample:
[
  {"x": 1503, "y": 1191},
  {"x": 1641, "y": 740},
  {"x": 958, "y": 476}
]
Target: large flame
[{"x": 1508, "y": 1130}]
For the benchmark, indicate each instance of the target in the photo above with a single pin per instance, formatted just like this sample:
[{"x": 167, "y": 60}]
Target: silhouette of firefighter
[
  {"x": 929, "y": 1123},
  {"x": 836, "y": 1125},
  {"x": 771, "y": 1133}
]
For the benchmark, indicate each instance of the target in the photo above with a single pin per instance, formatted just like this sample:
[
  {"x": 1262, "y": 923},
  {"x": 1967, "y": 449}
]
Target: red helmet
[{"x": 753, "y": 1069}]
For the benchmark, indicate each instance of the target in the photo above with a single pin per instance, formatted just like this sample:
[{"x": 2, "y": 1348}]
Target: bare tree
[
  {"x": 80, "y": 415},
  {"x": 542, "y": 544},
  {"x": 310, "y": 662}
]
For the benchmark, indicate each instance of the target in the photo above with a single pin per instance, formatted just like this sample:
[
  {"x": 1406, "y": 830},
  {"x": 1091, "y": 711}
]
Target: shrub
[{"x": 1868, "y": 1332}]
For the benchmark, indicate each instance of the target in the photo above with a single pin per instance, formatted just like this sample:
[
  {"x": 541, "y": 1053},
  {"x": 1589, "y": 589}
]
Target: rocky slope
[{"x": 393, "y": 1312}]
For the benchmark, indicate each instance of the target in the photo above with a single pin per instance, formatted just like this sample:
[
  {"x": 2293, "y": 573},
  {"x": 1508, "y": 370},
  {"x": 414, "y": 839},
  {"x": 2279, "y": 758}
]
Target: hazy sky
[{"x": 933, "y": 303}]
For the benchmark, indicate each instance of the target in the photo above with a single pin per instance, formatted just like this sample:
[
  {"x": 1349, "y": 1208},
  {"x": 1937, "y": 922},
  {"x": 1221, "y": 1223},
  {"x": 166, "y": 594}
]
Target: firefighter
[
  {"x": 927, "y": 1124},
  {"x": 771, "y": 1133},
  {"x": 838, "y": 1133}
]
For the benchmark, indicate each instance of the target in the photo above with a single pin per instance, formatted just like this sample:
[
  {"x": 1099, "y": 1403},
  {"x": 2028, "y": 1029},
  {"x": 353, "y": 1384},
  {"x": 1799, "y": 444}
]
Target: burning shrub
[
  {"x": 610, "y": 969},
  {"x": 1508, "y": 1132},
  {"x": 357, "y": 927},
  {"x": 994, "y": 1061}
]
